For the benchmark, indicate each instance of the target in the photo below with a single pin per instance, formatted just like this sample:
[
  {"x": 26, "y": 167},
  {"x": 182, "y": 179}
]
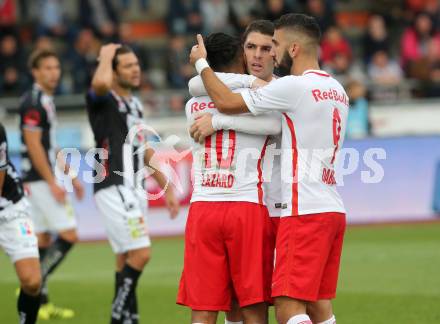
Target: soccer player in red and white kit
[
  {"x": 257, "y": 50},
  {"x": 227, "y": 226},
  {"x": 315, "y": 110}
]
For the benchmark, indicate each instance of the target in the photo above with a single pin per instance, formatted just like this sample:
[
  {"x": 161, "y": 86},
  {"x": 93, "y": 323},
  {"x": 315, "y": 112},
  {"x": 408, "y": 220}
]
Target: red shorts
[
  {"x": 224, "y": 256},
  {"x": 308, "y": 253},
  {"x": 269, "y": 248}
]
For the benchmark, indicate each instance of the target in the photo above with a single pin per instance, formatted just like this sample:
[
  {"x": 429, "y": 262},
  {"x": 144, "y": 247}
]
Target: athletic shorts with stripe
[
  {"x": 48, "y": 214},
  {"x": 308, "y": 253},
  {"x": 17, "y": 236},
  {"x": 225, "y": 256},
  {"x": 124, "y": 212}
]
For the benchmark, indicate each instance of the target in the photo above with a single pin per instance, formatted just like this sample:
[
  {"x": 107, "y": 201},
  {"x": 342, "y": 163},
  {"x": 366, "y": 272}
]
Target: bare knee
[
  {"x": 70, "y": 236},
  {"x": 44, "y": 240},
  {"x": 320, "y": 310},
  {"x": 205, "y": 317},
  {"x": 31, "y": 283},
  {"x": 139, "y": 258},
  {"x": 255, "y": 314}
]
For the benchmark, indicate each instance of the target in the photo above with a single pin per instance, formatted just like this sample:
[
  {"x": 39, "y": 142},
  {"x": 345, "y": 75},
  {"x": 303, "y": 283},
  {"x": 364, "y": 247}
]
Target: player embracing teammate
[{"x": 314, "y": 107}]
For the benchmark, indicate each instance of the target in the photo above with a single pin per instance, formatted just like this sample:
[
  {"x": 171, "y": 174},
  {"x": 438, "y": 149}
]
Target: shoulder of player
[{"x": 31, "y": 99}]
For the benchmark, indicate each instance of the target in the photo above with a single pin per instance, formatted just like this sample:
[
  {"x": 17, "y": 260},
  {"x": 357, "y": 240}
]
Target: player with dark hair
[
  {"x": 257, "y": 48},
  {"x": 116, "y": 118},
  {"x": 227, "y": 226},
  {"x": 51, "y": 210},
  {"x": 315, "y": 109},
  {"x": 17, "y": 236}
]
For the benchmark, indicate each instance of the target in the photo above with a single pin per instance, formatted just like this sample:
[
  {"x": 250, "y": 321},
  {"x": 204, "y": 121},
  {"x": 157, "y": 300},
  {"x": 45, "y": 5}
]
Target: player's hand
[
  {"x": 198, "y": 51},
  {"x": 58, "y": 193},
  {"x": 202, "y": 128},
  {"x": 108, "y": 51},
  {"x": 171, "y": 202},
  {"x": 78, "y": 188}
]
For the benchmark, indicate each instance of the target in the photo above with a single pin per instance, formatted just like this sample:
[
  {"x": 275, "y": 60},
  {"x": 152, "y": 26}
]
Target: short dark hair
[
  {"x": 304, "y": 24},
  {"x": 37, "y": 56},
  {"x": 265, "y": 27},
  {"x": 222, "y": 50},
  {"x": 124, "y": 49}
]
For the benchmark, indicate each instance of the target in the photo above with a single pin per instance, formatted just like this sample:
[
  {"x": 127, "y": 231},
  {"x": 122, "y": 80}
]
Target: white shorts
[
  {"x": 124, "y": 212},
  {"x": 17, "y": 235},
  {"x": 48, "y": 214}
]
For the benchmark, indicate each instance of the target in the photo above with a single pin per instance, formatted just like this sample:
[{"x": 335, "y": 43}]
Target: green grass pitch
[{"x": 390, "y": 274}]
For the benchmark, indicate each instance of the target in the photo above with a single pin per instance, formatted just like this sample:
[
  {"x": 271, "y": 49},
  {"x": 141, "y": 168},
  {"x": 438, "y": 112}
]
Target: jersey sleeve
[
  {"x": 265, "y": 124},
  {"x": 32, "y": 116},
  {"x": 280, "y": 95},
  {"x": 96, "y": 102},
  {"x": 232, "y": 80},
  {"x": 3, "y": 149}
]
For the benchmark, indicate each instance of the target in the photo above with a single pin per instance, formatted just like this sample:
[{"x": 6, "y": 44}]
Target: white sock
[
  {"x": 331, "y": 320},
  {"x": 229, "y": 322},
  {"x": 299, "y": 319}
]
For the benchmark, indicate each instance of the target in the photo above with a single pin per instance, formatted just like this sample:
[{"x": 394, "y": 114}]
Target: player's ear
[{"x": 293, "y": 49}]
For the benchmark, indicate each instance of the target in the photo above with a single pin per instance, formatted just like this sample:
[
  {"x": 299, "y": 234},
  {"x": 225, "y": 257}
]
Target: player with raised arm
[
  {"x": 52, "y": 212},
  {"x": 228, "y": 199},
  {"x": 17, "y": 236},
  {"x": 257, "y": 48},
  {"x": 116, "y": 118},
  {"x": 315, "y": 109}
]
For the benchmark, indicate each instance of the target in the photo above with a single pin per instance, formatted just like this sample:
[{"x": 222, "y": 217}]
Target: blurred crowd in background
[{"x": 382, "y": 50}]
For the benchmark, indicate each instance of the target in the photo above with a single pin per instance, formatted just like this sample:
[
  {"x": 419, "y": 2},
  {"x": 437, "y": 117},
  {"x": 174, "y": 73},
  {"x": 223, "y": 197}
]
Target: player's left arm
[{"x": 170, "y": 198}]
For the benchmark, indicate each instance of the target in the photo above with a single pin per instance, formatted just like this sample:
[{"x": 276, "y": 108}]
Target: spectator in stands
[
  {"x": 344, "y": 69},
  {"x": 44, "y": 43},
  {"x": 415, "y": 39},
  {"x": 101, "y": 17},
  {"x": 126, "y": 38},
  {"x": 427, "y": 70},
  {"x": 184, "y": 17},
  {"x": 144, "y": 4},
  {"x": 358, "y": 124},
  {"x": 52, "y": 19},
  {"x": 376, "y": 37},
  {"x": 333, "y": 44},
  {"x": 323, "y": 13},
  {"x": 13, "y": 76},
  {"x": 216, "y": 16},
  {"x": 385, "y": 75},
  {"x": 82, "y": 59},
  {"x": 274, "y": 9},
  {"x": 8, "y": 17},
  {"x": 179, "y": 71},
  {"x": 244, "y": 12}
]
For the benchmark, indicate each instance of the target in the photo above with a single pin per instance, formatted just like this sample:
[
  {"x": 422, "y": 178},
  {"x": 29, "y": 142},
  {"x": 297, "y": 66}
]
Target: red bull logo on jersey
[
  {"x": 201, "y": 106},
  {"x": 331, "y": 94}
]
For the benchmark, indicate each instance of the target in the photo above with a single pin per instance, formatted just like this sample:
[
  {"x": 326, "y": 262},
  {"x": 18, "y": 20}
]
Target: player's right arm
[
  {"x": 103, "y": 77},
  {"x": 207, "y": 124},
  {"x": 232, "y": 80},
  {"x": 32, "y": 120},
  {"x": 37, "y": 154}
]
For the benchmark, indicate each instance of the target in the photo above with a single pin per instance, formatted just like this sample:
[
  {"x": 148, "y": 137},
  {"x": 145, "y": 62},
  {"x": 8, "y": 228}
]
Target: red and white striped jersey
[
  {"x": 228, "y": 166},
  {"x": 315, "y": 110}
]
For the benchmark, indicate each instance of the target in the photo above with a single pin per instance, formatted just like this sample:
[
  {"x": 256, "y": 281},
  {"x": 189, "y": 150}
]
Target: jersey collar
[{"x": 317, "y": 72}]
